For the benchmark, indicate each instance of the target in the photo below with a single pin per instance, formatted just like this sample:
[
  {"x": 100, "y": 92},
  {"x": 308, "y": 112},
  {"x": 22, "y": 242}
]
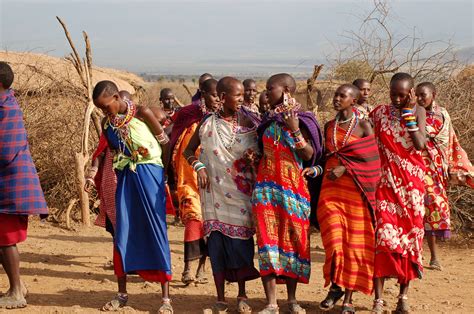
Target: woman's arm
[
  {"x": 152, "y": 120},
  {"x": 190, "y": 155},
  {"x": 419, "y": 137}
]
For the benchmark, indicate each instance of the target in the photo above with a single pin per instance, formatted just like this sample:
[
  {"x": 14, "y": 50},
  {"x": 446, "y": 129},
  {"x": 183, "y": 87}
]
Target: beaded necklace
[
  {"x": 235, "y": 124},
  {"x": 202, "y": 105},
  {"x": 277, "y": 135},
  {"x": 354, "y": 119},
  {"x": 118, "y": 121},
  {"x": 120, "y": 124}
]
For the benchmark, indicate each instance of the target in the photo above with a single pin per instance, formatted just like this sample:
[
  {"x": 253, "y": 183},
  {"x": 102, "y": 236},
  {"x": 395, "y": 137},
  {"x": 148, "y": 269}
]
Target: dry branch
[
  {"x": 310, "y": 83},
  {"x": 84, "y": 70},
  {"x": 188, "y": 90}
]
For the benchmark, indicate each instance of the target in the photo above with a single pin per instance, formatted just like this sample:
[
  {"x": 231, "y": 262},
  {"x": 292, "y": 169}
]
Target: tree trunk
[
  {"x": 80, "y": 161},
  {"x": 96, "y": 120}
]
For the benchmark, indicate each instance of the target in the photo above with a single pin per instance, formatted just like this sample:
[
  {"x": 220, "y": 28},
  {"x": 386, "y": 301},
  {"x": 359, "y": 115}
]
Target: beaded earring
[{"x": 286, "y": 99}]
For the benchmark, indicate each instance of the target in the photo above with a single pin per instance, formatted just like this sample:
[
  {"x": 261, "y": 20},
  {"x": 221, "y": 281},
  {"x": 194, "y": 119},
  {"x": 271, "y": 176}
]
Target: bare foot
[
  {"x": 24, "y": 290},
  {"x": 12, "y": 301}
]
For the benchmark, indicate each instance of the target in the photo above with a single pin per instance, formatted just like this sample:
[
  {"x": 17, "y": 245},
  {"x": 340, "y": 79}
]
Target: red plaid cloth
[
  {"x": 362, "y": 161},
  {"x": 20, "y": 189}
]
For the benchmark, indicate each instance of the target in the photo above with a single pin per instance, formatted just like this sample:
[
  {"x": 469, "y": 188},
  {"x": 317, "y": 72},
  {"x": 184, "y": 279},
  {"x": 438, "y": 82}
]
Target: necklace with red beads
[{"x": 354, "y": 119}]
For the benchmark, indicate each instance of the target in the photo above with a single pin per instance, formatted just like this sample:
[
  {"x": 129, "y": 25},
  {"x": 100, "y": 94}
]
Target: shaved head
[
  {"x": 428, "y": 85},
  {"x": 208, "y": 85},
  {"x": 402, "y": 77},
  {"x": 125, "y": 95},
  {"x": 285, "y": 80},
  {"x": 359, "y": 82},
  {"x": 105, "y": 88},
  {"x": 165, "y": 91},
  {"x": 249, "y": 81},
  {"x": 226, "y": 84},
  {"x": 6, "y": 75},
  {"x": 354, "y": 90},
  {"x": 204, "y": 77}
]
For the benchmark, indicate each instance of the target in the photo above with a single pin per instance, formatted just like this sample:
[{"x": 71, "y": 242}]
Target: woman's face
[
  {"x": 109, "y": 105},
  {"x": 274, "y": 94},
  {"x": 424, "y": 96},
  {"x": 400, "y": 93}
]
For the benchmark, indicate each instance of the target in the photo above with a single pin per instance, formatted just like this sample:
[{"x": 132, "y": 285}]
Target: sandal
[
  {"x": 116, "y": 304},
  {"x": 242, "y": 305},
  {"x": 270, "y": 309},
  {"x": 435, "y": 265},
  {"x": 186, "y": 278},
  {"x": 348, "y": 308},
  {"x": 402, "y": 305},
  {"x": 335, "y": 294},
  {"x": 295, "y": 308},
  {"x": 220, "y": 307},
  {"x": 378, "y": 306},
  {"x": 10, "y": 302},
  {"x": 166, "y": 307}
]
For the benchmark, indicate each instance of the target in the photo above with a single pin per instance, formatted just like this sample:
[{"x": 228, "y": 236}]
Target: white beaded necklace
[
  {"x": 354, "y": 119},
  {"x": 235, "y": 123}
]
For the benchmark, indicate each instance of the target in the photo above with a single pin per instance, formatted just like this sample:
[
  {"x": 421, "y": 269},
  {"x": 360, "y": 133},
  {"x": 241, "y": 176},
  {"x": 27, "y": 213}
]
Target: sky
[{"x": 234, "y": 37}]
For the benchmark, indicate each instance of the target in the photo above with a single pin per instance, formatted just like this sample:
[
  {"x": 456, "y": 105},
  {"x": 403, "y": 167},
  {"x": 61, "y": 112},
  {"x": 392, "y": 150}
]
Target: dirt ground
[{"x": 69, "y": 272}]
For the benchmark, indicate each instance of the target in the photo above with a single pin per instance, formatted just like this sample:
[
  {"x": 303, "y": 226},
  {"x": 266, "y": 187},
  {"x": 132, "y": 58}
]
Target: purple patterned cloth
[
  {"x": 307, "y": 121},
  {"x": 196, "y": 97},
  {"x": 20, "y": 189},
  {"x": 254, "y": 117}
]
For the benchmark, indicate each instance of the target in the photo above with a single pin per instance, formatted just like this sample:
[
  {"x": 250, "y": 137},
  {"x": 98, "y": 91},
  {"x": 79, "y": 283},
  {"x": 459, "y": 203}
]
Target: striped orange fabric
[{"x": 346, "y": 227}]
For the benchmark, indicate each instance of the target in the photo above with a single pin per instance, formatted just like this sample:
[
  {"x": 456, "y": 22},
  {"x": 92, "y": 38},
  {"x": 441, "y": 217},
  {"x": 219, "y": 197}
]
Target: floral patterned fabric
[
  {"x": 445, "y": 162},
  {"x": 226, "y": 207},
  {"x": 400, "y": 199}
]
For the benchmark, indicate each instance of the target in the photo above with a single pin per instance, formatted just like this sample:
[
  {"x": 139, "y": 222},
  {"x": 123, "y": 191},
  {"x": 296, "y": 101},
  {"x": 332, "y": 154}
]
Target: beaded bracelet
[
  {"x": 197, "y": 164},
  {"x": 298, "y": 138},
  {"x": 300, "y": 145},
  {"x": 162, "y": 138},
  {"x": 410, "y": 118},
  {"x": 414, "y": 129},
  {"x": 194, "y": 162},
  {"x": 318, "y": 170},
  {"x": 405, "y": 110},
  {"x": 296, "y": 133},
  {"x": 411, "y": 123},
  {"x": 200, "y": 167}
]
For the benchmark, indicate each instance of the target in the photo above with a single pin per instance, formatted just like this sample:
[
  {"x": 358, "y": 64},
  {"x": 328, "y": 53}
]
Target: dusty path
[{"x": 66, "y": 272}]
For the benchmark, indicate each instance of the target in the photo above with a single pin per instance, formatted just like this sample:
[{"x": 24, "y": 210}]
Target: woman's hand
[
  {"x": 291, "y": 120},
  {"x": 89, "y": 185},
  {"x": 203, "y": 179},
  {"x": 411, "y": 99},
  {"x": 309, "y": 172},
  {"x": 336, "y": 172}
]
